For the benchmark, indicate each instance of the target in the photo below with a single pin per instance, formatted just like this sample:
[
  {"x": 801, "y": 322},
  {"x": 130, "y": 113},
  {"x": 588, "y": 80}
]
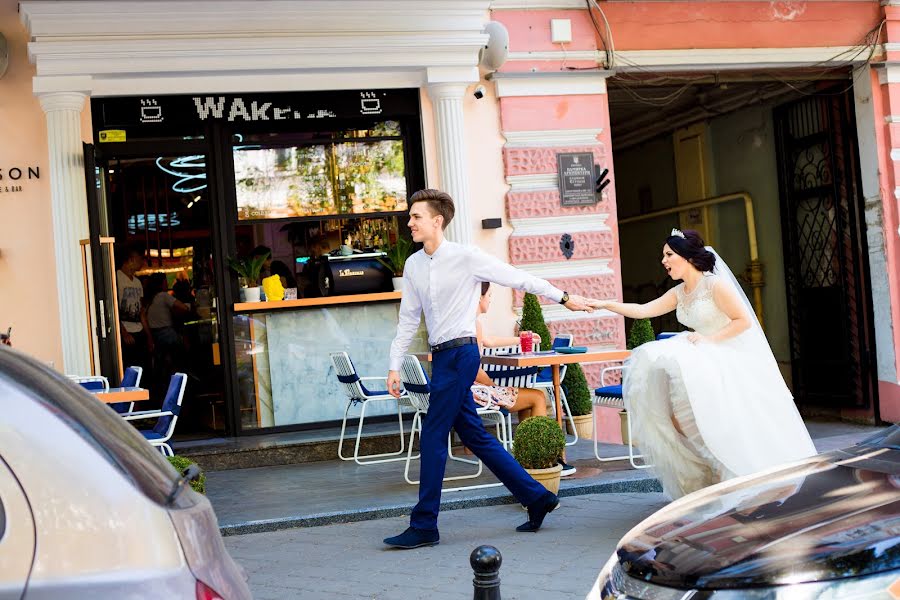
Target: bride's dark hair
[{"x": 691, "y": 248}]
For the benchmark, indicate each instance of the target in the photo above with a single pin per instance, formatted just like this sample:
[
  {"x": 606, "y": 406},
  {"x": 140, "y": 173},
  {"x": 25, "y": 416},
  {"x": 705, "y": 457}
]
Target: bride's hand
[
  {"x": 696, "y": 338},
  {"x": 597, "y": 304}
]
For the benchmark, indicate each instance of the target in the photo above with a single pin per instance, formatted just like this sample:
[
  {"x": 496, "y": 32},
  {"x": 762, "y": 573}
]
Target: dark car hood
[{"x": 834, "y": 515}]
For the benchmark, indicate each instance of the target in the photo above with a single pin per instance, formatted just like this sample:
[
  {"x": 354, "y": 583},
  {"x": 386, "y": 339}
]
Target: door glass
[{"x": 158, "y": 212}]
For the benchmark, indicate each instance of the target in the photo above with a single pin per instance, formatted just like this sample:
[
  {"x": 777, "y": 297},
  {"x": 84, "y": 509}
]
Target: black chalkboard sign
[{"x": 576, "y": 178}]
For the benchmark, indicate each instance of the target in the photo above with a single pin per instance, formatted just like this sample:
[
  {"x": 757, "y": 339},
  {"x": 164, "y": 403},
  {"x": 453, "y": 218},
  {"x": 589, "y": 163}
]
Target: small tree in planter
[
  {"x": 249, "y": 268},
  {"x": 181, "y": 463},
  {"x": 533, "y": 320},
  {"x": 538, "y": 445},
  {"x": 580, "y": 400},
  {"x": 395, "y": 259},
  {"x": 640, "y": 333}
]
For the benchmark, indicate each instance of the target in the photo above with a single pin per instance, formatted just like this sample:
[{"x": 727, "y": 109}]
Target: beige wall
[{"x": 28, "y": 294}]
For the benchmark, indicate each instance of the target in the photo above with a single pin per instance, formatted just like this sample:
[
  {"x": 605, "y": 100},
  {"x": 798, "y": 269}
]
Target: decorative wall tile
[
  {"x": 529, "y": 161},
  {"x": 546, "y": 203},
  {"x": 598, "y": 286},
  {"x": 545, "y": 248}
]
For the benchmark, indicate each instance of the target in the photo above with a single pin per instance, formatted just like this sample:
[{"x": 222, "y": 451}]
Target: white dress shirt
[{"x": 446, "y": 286}]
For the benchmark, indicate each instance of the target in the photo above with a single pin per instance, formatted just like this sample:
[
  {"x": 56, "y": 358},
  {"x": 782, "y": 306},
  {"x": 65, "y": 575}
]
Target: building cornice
[{"x": 161, "y": 46}]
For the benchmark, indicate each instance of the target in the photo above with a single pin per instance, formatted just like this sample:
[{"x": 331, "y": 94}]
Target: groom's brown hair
[{"x": 439, "y": 202}]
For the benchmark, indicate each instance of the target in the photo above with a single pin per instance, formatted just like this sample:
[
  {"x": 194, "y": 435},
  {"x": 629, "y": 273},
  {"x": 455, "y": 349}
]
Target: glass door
[{"x": 154, "y": 201}]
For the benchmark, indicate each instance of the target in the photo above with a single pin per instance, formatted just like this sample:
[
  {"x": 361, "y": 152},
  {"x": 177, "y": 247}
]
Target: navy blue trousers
[{"x": 451, "y": 405}]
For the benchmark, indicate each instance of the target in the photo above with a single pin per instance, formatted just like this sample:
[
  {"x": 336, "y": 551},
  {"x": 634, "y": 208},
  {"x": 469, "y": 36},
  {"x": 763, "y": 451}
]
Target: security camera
[{"x": 479, "y": 92}]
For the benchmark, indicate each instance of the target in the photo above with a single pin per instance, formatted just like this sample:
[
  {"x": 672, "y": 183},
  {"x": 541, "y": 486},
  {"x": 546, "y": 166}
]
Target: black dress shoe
[
  {"x": 537, "y": 512},
  {"x": 414, "y": 538}
]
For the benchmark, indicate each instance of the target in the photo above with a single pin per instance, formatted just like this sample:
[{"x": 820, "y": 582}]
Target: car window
[{"x": 112, "y": 437}]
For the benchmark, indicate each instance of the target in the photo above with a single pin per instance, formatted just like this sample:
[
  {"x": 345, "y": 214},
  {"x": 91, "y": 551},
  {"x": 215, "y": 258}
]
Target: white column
[
  {"x": 453, "y": 162},
  {"x": 68, "y": 201}
]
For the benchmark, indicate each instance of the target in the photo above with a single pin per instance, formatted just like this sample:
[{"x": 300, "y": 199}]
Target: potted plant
[
  {"x": 580, "y": 400},
  {"x": 181, "y": 463},
  {"x": 538, "y": 445},
  {"x": 249, "y": 268},
  {"x": 641, "y": 332},
  {"x": 395, "y": 259}
]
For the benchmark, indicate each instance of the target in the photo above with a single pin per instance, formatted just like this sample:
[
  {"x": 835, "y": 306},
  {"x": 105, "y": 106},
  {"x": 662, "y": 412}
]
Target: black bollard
[{"x": 486, "y": 561}]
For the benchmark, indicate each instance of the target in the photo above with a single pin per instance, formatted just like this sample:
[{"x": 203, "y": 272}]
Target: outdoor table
[
  {"x": 123, "y": 394},
  {"x": 554, "y": 361}
]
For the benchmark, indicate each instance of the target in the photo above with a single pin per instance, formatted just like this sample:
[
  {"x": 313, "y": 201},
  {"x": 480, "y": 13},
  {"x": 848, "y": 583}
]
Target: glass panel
[
  {"x": 320, "y": 180},
  {"x": 160, "y": 216},
  {"x": 285, "y": 374}
]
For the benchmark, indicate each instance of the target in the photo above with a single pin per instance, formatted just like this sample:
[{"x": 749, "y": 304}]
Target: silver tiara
[{"x": 677, "y": 232}]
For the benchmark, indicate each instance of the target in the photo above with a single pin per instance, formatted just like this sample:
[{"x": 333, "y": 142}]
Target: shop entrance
[
  {"x": 158, "y": 309},
  {"x": 787, "y": 141}
]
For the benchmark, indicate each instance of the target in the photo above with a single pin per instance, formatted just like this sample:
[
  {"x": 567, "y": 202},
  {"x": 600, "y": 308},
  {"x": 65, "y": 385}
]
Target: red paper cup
[{"x": 526, "y": 341}]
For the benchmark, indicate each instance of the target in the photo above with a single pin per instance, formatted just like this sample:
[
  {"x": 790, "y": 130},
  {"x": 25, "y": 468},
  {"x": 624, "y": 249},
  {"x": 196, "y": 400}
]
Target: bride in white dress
[{"x": 709, "y": 404}]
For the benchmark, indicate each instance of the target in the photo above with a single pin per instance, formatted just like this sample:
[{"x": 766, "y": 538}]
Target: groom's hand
[
  {"x": 577, "y": 302},
  {"x": 393, "y": 381}
]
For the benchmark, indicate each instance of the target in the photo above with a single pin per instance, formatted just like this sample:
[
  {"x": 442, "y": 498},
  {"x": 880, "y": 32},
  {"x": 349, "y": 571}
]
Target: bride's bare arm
[
  {"x": 662, "y": 305},
  {"x": 729, "y": 303}
]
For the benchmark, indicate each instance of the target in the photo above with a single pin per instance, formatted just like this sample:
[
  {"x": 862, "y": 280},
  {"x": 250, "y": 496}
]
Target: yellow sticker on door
[{"x": 112, "y": 135}]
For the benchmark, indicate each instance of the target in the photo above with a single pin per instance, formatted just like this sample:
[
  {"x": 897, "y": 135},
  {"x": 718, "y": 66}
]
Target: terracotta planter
[
  {"x": 623, "y": 424},
  {"x": 584, "y": 424},
  {"x": 549, "y": 478}
]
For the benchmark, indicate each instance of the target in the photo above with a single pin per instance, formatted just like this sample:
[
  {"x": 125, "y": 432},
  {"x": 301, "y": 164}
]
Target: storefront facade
[{"x": 238, "y": 84}]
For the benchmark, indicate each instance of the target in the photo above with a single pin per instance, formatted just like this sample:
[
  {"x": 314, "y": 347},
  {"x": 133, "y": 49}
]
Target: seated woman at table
[{"x": 527, "y": 402}]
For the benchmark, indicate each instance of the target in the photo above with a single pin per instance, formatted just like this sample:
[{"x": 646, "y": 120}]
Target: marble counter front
[{"x": 285, "y": 371}]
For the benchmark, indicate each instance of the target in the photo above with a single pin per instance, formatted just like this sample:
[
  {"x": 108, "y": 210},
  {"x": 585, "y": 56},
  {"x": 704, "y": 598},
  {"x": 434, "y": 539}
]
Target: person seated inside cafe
[{"x": 527, "y": 402}]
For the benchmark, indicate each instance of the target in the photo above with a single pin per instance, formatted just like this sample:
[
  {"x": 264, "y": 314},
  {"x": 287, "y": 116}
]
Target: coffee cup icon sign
[
  {"x": 151, "y": 112},
  {"x": 369, "y": 104}
]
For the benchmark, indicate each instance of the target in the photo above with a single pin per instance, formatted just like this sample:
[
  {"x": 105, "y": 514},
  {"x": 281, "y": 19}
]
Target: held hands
[
  {"x": 393, "y": 382},
  {"x": 597, "y": 304},
  {"x": 577, "y": 302}
]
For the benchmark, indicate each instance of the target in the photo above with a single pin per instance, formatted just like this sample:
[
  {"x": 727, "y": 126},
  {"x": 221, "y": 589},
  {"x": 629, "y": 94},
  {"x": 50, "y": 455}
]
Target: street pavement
[{"x": 349, "y": 560}]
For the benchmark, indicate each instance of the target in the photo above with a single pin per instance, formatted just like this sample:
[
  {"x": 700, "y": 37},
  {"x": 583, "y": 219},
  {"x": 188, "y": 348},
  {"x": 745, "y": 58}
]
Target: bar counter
[
  {"x": 284, "y": 369},
  {"x": 244, "y": 307}
]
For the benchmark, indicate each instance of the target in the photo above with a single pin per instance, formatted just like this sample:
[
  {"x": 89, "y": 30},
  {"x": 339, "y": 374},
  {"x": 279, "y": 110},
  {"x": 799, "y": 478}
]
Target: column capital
[
  {"x": 56, "y": 101},
  {"x": 449, "y": 90}
]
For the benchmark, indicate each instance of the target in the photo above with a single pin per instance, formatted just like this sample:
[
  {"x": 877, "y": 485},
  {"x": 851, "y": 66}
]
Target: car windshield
[{"x": 112, "y": 437}]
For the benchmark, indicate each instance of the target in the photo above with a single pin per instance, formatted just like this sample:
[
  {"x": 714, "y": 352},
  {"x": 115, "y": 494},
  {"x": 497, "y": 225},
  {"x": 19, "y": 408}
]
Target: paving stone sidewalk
[{"x": 350, "y": 561}]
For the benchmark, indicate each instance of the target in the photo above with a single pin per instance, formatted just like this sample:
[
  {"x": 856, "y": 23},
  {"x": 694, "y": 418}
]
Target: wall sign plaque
[{"x": 576, "y": 178}]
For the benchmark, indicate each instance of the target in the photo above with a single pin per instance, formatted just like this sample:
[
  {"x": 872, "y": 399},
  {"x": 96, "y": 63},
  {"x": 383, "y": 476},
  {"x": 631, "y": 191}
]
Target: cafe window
[{"x": 350, "y": 172}]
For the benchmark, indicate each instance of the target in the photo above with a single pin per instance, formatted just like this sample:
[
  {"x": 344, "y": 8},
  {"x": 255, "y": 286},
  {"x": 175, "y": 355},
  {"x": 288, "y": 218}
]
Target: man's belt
[{"x": 463, "y": 341}]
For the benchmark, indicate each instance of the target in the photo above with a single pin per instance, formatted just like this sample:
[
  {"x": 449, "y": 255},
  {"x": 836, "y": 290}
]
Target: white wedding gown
[{"x": 729, "y": 399}]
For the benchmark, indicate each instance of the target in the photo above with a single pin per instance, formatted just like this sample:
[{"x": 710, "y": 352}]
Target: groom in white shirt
[{"x": 443, "y": 280}]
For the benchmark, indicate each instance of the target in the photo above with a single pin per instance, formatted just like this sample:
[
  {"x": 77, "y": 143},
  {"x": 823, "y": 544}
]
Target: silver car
[{"x": 88, "y": 509}]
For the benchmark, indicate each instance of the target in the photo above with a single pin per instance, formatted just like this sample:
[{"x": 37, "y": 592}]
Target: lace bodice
[{"x": 698, "y": 310}]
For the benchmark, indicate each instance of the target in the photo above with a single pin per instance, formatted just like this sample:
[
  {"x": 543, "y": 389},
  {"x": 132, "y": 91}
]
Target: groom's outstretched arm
[{"x": 488, "y": 268}]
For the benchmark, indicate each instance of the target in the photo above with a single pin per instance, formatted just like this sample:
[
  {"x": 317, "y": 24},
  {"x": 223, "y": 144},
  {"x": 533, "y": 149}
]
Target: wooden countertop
[{"x": 244, "y": 307}]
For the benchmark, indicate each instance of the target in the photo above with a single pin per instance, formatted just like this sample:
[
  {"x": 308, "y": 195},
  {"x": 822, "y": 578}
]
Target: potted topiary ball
[
  {"x": 538, "y": 445},
  {"x": 581, "y": 404},
  {"x": 181, "y": 463},
  {"x": 640, "y": 333}
]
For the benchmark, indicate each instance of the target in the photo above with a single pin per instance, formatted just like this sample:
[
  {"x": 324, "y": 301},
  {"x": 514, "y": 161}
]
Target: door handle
[{"x": 102, "y": 319}]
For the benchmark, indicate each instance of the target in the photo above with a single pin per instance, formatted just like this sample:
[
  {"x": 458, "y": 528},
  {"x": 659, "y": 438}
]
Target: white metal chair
[
  {"x": 92, "y": 383},
  {"x": 544, "y": 382},
  {"x": 505, "y": 376},
  {"x": 416, "y": 384},
  {"x": 167, "y": 415},
  {"x": 359, "y": 394},
  {"x": 131, "y": 378},
  {"x": 611, "y": 396}
]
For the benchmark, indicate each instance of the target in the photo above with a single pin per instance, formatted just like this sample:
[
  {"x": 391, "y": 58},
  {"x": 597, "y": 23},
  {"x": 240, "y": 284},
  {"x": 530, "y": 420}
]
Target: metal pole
[{"x": 485, "y": 561}]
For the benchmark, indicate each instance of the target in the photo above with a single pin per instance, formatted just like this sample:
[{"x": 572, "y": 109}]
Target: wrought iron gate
[{"x": 825, "y": 253}]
